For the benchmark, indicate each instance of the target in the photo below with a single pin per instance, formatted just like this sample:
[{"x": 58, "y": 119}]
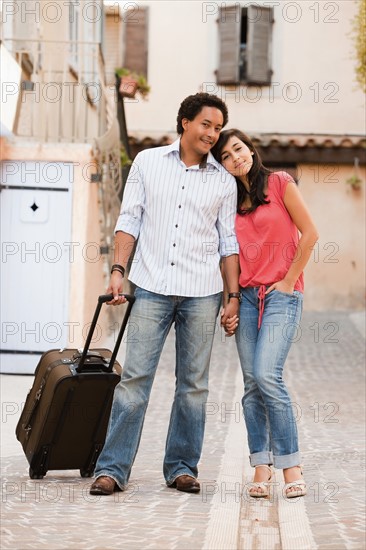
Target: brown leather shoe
[
  {"x": 104, "y": 485},
  {"x": 187, "y": 484}
]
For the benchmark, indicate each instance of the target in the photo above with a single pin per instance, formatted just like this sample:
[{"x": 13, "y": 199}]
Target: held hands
[
  {"x": 116, "y": 288},
  {"x": 230, "y": 317},
  {"x": 230, "y": 313}
]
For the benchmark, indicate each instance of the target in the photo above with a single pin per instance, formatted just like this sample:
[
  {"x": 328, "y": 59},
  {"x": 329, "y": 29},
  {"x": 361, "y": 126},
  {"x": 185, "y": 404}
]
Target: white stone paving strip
[
  {"x": 259, "y": 522},
  {"x": 358, "y": 318},
  {"x": 223, "y": 527},
  {"x": 264, "y": 524},
  {"x": 295, "y": 530}
]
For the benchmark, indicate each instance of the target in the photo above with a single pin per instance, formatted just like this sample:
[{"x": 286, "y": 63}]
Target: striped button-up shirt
[{"x": 183, "y": 219}]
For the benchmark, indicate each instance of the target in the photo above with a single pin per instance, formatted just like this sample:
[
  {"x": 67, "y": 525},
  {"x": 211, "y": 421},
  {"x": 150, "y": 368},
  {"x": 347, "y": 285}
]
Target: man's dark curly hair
[{"x": 193, "y": 104}]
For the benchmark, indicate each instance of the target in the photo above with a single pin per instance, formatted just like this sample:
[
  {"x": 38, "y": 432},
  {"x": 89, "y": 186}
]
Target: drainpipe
[{"x": 121, "y": 116}]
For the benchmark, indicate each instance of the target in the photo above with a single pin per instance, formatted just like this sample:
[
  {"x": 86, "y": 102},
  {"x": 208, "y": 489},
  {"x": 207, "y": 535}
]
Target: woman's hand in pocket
[{"x": 281, "y": 286}]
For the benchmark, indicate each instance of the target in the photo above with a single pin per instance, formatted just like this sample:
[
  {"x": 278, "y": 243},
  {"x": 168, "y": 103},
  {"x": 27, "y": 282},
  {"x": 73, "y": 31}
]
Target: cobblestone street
[{"x": 325, "y": 373}]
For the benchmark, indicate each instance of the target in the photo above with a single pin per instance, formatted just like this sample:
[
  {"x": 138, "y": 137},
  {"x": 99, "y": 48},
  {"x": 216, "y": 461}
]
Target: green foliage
[
  {"x": 121, "y": 71},
  {"x": 143, "y": 87},
  {"x": 359, "y": 38},
  {"x": 125, "y": 159},
  {"x": 354, "y": 181}
]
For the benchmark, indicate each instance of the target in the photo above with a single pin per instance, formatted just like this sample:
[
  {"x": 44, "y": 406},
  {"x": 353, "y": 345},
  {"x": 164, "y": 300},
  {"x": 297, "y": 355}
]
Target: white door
[{"x": 35, "y": 261}]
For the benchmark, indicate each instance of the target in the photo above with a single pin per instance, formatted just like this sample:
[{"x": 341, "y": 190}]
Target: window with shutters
[
  {"x": 135, "y": 31},
  {"x": 245, "y": 45}
]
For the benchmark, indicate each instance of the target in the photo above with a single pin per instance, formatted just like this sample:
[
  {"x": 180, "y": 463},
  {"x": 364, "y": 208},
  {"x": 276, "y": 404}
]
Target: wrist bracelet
[
  {"x": 235, "y": 295},
  {"x": 118, "y": 267}
]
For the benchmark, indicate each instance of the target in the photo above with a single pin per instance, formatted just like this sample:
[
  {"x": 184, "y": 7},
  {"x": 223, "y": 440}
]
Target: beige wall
[
  {"x": 313, "y": 50},
  {"x": 4, "y": 148},
  {"x": 314, "y": 53},
  {"x": 335, "y": 274},
  {"x": 10, "y": 73},
  {"x": 113, "y": 45}
]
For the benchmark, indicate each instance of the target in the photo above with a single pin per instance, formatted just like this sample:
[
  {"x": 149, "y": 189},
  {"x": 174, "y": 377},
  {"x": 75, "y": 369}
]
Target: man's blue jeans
[
  {"x": 269, "y": 418},
  {"x": 151, "y": 318}
]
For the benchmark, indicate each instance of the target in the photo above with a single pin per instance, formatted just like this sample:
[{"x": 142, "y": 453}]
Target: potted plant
[
  {"x": 354, "y": 181},
  {"x": 132, "y": 83}
]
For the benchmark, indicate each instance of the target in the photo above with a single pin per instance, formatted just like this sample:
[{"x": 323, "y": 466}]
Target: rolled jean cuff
[
  {"x": 264, "y": 457},
  {"x": 287, "y": 461}
]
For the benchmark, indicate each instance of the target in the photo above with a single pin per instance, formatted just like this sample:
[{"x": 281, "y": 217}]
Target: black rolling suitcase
[{"x": 64, "y": 421}]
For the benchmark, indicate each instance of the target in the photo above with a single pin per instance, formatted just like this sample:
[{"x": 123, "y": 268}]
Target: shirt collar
[{"x": 209, "y": 159}]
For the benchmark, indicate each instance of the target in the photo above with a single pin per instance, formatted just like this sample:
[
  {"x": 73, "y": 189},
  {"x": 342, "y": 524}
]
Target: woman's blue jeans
[
  {"x": 151, "y": 319},
  {"x": 268, "y": 413}
]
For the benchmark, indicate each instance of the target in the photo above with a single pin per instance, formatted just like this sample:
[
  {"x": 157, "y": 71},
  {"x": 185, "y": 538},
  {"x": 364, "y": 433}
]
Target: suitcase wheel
[
  {"x": 35, "y": 475},
  {"x": 86, "y": 473}
]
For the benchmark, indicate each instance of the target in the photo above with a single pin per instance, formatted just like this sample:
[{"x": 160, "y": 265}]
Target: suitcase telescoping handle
[{"x": 101, "y": 300}]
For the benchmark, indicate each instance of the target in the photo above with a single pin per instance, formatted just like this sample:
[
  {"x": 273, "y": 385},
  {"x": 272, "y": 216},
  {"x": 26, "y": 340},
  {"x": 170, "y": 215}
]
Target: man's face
[{"x": 201, "y": 133}]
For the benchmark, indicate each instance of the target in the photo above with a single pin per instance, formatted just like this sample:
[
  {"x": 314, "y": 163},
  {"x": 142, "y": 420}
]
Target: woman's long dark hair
[{"x": 257, "y": 175}]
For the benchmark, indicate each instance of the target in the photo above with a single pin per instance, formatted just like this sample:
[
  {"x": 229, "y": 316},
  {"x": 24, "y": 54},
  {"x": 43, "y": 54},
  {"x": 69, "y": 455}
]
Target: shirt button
[
  {"x": 172, "y": 263},
  {"x": 183, "y": 187},
  {"x": 174, "y": 244},
  {"x": 176, "y": 225},
  {"x": 180, "y": 206},
  {"x": 186, "y": 169}
]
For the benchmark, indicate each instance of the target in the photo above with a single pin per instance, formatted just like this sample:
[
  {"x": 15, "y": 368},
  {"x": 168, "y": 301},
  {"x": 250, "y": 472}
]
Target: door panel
[{"x": 35, "y": 266}]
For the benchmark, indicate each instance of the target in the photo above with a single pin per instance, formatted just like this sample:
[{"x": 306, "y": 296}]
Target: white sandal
[
  {"x": 260, "y": 489},
  {"x": 301, "y": 489}
]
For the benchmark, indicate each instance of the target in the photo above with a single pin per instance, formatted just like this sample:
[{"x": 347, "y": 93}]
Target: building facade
[
  {"x": 60, "y": 177},
  {"x": 287, "y": 73}
]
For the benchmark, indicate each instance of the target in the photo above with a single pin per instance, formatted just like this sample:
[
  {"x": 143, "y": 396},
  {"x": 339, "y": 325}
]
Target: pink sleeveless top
[{"x": 268, "y": 238}]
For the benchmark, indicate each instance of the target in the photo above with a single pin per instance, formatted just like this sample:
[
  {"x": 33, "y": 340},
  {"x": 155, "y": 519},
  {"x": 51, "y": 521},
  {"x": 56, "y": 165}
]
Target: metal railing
[{"x": 65, "y": 98}]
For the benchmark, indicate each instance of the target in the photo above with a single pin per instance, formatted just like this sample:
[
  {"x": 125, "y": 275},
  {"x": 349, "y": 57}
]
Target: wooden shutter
[
  {"x": 260, "y": 20},
  {"x": 136, "y": 40},
  {"x": 229, "y": 32}
]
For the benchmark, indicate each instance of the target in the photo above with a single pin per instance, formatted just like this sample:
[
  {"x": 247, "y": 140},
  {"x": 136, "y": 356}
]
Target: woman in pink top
[{"x": 270, "y": 215}]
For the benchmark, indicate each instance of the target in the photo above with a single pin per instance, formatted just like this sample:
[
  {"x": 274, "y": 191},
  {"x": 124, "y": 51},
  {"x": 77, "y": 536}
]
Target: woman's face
[{"x": 236, "y": 157}]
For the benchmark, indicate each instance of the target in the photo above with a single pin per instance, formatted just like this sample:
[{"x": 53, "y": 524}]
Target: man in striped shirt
[{"x": 180, "y": 204}]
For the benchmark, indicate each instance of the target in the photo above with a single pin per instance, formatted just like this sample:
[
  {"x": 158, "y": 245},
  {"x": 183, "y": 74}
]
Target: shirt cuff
[
  {"x": 128, "y": 224},
  {"x": 229, "y": 246}
]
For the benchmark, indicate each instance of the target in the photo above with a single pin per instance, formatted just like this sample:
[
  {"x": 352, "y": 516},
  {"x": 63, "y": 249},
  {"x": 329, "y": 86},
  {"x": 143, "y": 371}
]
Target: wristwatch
[{"x": 235, "y": 295}]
